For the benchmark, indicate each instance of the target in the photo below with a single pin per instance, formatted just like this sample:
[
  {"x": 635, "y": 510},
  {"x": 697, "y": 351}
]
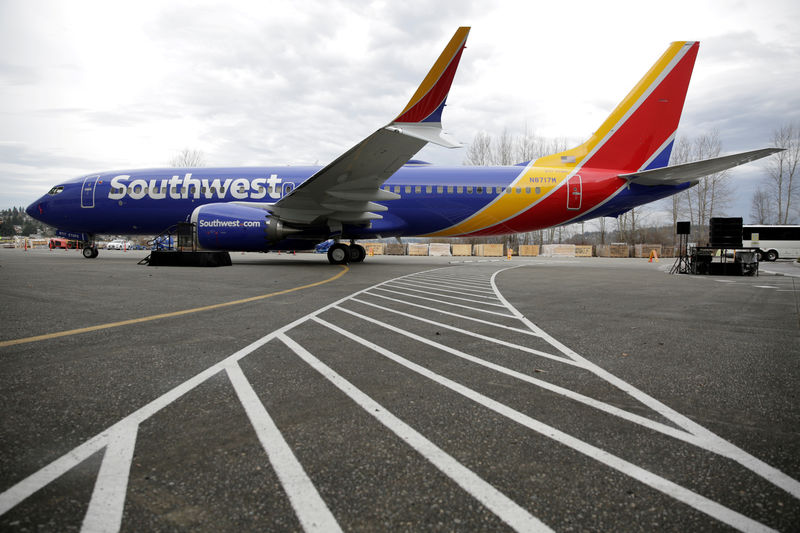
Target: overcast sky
[{"x": 88, "y": 86}]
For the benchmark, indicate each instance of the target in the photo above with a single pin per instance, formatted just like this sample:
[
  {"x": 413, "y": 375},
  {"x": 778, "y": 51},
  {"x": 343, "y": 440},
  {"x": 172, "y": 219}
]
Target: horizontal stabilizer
[{"x": 686, "y": 172}]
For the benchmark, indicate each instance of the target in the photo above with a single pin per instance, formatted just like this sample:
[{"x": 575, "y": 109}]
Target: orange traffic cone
[{"x": 653, "y": 255}]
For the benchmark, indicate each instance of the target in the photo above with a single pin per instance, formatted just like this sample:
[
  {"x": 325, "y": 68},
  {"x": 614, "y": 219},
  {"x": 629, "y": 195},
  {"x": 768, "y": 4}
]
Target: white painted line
[
  {"x": 765, "y": 287},
  {"x": 52, "y": 471},
  {"x": 591, "y": 402},
  {"x": 455, "y": 286},
  {"x": 453, "y": 328},
  {"x": 494, "y": 500},
  {"x": 379, "y": 288},
  {"x": 473, "y": 284},
  {"x": 308, "y": 505},
  {"x": 725, "y": 280},
  {"x": 709, "y": 440},
  {"x": 104, "y": 514},
  {"x": 682, "y": 494},
  {"x": 434, "y": 293},
  {"x": 450, "y": 313},
  {"x": 439, "y": 288}
]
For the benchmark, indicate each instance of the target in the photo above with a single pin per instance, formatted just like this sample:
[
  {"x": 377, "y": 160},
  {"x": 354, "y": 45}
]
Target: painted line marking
[
  {"x": 453, "y": 328},
  {"x": 455, "y": 286},
  {"x": 308, "y": 505},
  {"x": 494, "y": 500},
  {"x": 99, "y": 327},
  {"x": 429, "y": 291},
  {"x": 55, "y": 469},
  {"x": 701, "y": 503},
  {"x": 104, "y": 514},
  {"x": 443, "y": 302},
  {"x": 765, "y": 287},
  {"x": 438, "y": 288},
  {"x": 710, "y": 441},
  {"x": 450, "y": 313}
]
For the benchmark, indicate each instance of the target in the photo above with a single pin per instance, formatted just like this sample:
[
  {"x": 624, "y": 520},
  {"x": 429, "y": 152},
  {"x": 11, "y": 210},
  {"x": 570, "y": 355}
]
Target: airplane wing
[
  {"x": 345, "y": 191},
  {"x": 678, "y": 174}
]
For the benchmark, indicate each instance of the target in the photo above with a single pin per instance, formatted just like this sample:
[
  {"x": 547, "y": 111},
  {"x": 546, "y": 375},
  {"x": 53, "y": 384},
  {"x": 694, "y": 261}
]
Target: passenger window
[
  {"x": 469, "y": 189},
  {"x": 479, "y": 190},
  {"x": 460, "y": 189},
  {"x": 397, "y": 189},
  {"x": 449, "y": 189},
  {"x": 499, "y": 190},
  {"x": 538, "y": 190},
  {"x": 418, "y": 189},
  {"x": 428, "y": 189},
  {"x": 439, "y": 189},
  {"x": 408, "y": 189},
  {"x": 527, "y": 190},
  {"x": 519, "y": 190}
]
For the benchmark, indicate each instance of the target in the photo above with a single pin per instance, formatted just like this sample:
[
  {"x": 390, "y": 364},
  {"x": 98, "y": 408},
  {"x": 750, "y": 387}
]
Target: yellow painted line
[{"x": 99, "y": 327}]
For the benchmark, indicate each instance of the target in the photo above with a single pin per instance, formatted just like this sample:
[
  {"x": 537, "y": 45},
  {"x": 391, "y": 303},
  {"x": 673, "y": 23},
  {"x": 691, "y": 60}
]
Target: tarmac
[{"x": 404, "y": 393}]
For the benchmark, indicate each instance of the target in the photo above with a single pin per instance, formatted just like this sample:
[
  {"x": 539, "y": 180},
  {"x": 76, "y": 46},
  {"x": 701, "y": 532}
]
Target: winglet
[{"x": 427, "y": 103}]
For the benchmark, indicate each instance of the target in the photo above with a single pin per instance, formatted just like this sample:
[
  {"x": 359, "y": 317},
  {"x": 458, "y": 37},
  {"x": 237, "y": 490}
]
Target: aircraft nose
[{"x": 36, "y": 209}]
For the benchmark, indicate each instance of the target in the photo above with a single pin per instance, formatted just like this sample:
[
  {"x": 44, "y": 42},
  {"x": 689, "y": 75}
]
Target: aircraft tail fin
[
  {"x": 422, "y": 116},
  {"x": 639, "y": 133}
]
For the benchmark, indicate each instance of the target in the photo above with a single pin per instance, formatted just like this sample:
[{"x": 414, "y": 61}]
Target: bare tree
[
  {"x": 712, "y": 194},
  {"x": 760, "y": 211},
  {"x": 188, "y": 158},
  {"x": 479, "y": 152},
  {"x": 782, "y": 183},
  {"x": 504, "y": 152}
]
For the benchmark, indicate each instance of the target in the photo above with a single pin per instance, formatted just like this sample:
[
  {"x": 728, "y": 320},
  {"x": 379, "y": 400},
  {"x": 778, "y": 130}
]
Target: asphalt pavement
[{"x": 404, "y": 393}]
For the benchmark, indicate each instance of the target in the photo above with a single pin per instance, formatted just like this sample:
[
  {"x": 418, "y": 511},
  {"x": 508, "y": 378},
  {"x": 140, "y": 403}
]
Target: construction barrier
[
  {"x": 488, "y": 250},
  {"x": 529, "y": 250},
  {"x": 558, "y": 250},
  {"x": 417, "y": 249},
  {"x": 613, "y": 250},
  {"x": 394, "y": 248},
  {"x": 462, "y": 249},
  {"x": 583, "y": 250}
]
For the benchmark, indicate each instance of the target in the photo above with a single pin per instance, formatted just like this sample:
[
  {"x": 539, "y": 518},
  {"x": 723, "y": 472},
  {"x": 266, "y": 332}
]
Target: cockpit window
[{"x": 56, "y": 190}]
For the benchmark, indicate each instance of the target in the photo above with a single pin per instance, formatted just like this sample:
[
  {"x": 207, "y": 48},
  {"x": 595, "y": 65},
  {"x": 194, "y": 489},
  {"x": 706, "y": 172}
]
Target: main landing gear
[
  {"x": 341, "y": 254},
  {"x": 90, "y": 252}
]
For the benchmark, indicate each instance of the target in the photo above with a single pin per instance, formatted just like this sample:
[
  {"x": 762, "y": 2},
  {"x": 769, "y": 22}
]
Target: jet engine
[{"x": 239, "y": 228}]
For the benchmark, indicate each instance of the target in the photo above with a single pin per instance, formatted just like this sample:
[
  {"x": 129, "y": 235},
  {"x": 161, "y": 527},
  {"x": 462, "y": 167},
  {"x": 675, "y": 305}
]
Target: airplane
[{"x": 376, "y": 190}]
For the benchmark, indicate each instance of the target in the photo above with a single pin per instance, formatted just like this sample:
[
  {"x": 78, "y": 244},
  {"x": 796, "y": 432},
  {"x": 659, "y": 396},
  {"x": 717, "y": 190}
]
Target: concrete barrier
[
  {"x": 439, "y": 249},
  {"x": 558, "y": 250},
  {"x": 529, "y": 250}
]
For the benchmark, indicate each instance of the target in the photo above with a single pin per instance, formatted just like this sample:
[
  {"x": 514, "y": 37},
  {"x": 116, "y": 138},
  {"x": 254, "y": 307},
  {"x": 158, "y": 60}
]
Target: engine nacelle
[{"x": 238, "y": 228}]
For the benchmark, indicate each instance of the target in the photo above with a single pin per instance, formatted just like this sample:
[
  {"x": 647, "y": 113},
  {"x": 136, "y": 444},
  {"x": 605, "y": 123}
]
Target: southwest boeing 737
[{"x": 376, "y": 190}]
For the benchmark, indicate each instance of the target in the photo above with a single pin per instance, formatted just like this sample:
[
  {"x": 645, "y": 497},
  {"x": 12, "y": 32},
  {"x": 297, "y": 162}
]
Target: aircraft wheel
[
  {"x": 357, "y": 253},
  {"x": 90, "y": 252},
  {"x": 339, "y": 254},
  {"x": 771, "y": 255}
]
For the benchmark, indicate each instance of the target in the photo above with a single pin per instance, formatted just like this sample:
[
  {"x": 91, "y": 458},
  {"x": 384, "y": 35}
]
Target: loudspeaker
[
  {"x": 725, "y": 232},
  {"x": 684, "y": 228}
]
